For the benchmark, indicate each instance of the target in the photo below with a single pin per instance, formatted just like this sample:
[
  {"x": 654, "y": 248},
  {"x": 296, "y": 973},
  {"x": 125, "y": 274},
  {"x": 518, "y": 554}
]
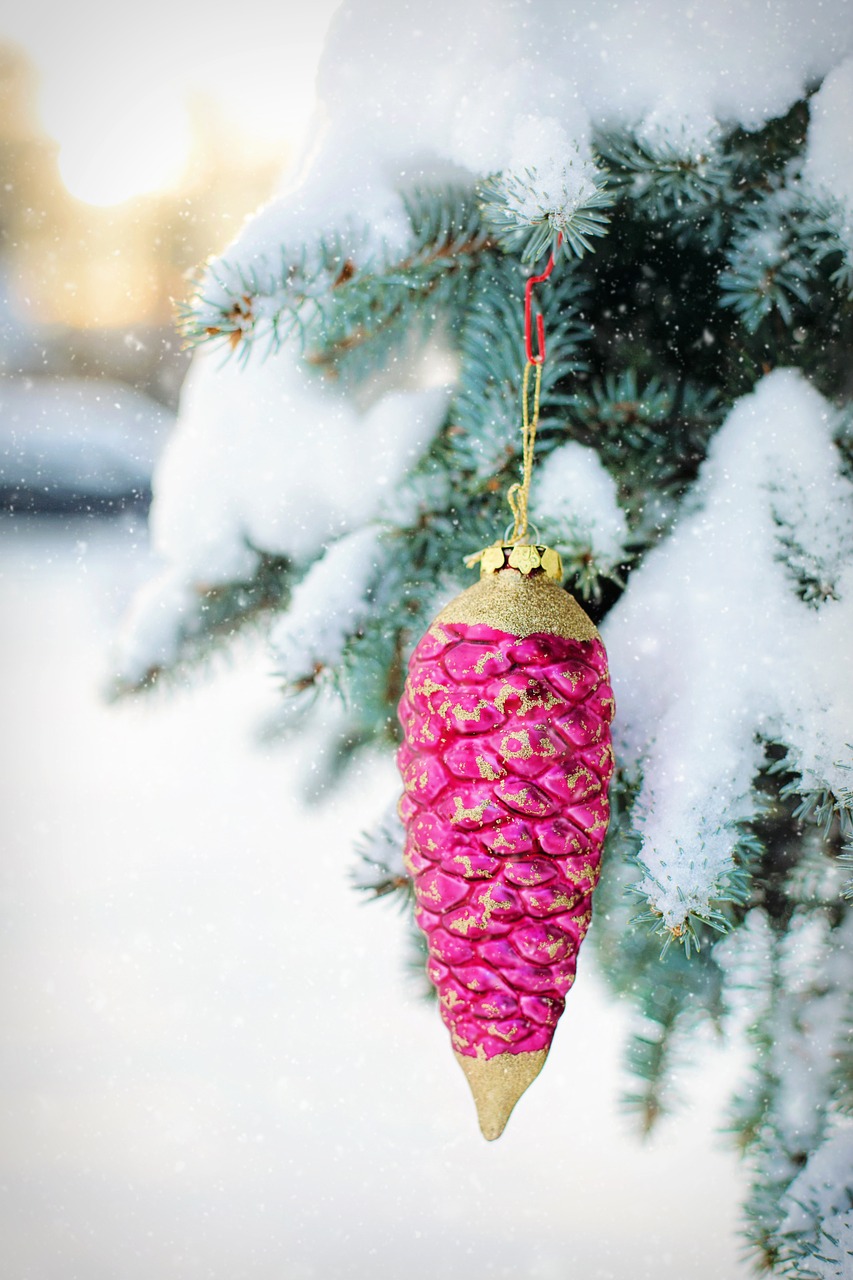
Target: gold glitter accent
[
  {"x": 470, "y": 815},
  {"x": 491, "y": 906},
  {"x": 509, "y": 1036},
  {"x": 572, "y": 779},
  {"x": 465, "y": 861},
  {"x": 499, "y": 841},
  {"x": 450, "y": 999},
  {"x": 525, "y": 751},
  {"x": 533, "y": 878},
  {"x": 486, "y": 770},
  {"x": 480, "y": 664},
  {"x": 433, "y": 893},
  {"x": 462, "y": 714},
  {"x": 429, "y": 686},
  {"x": 497, "y": 1083},
  {"x": 527, "y": 701},
  {"x": 577, "y": 877},
  {"x": 487, "y": 902},
  {"x": 522, "y": 752},
  {"x": 463, "y": 924},
  {"x": 520, "y": 606}
]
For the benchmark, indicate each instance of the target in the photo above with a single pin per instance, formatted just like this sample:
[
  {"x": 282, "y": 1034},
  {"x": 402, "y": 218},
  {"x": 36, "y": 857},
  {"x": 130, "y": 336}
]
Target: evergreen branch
[
  {"x": 774, "y": 260},
  {"x": 324, "y": 296},
  {"x": 216, "y": 616},
  {"x": 534, "y": 223},
  {"x": 485, "y": 416},
  {"x": 668, "y": 184},
  {"x": 650, "y": 436},
  {"x": 380, "y": 871}
]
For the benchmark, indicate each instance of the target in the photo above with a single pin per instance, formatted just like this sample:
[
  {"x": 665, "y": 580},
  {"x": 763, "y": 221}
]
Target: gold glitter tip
[
  {"x": 520, "y": 605},
  {"x": 498, "y": 1083}
]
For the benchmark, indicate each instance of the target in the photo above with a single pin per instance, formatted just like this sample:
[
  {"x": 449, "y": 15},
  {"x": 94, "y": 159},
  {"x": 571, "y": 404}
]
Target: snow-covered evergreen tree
[{"x": 350, "y": 426}]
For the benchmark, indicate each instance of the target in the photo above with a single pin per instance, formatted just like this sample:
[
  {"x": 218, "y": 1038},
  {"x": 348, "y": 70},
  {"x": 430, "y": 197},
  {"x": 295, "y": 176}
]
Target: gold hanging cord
[
  {"x": 517, "y": 551},
  {"x": 518, "y": 494}
]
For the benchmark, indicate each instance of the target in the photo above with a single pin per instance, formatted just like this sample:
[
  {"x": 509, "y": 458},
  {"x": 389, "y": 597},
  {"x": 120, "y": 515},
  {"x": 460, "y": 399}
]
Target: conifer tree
[{"x": 350, "y": 428}]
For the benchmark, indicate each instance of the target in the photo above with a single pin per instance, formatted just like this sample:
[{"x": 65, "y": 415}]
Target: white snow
[
  {"x": 829, "y": 146},
  {"x": 574, "y": 496},
  {"x": 713, "y": 651},
  {"x": 828, "y": 165},
  {"x": 278, "y": 459},
  {"x": 825, "y": 1185},
  {"x": 403, "y": 102},
  {"x": 327, "y": 606},
  {"x": 150, "y": 633},
  {"x": 835, "y": 1260},
  {"x": 270, "y": 459}
]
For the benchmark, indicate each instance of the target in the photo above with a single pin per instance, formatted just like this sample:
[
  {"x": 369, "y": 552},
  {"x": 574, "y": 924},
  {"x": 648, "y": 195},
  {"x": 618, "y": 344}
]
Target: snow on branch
[
  {"x": 721, "y": 644},
  {"x": 273, "y": 465},
  {"x": 327, "y": 606},
  {"x": 576, "y": 507},
  {"x": 828, "y": 167},
  {"x": 349, "y": 280},
  {"x": 557, "y": 207}
]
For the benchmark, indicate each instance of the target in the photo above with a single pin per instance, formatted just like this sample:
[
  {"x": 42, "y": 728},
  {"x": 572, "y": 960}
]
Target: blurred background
[
  {"x": 131, "y": 148},
  {"x": 213, "y": 1061}
]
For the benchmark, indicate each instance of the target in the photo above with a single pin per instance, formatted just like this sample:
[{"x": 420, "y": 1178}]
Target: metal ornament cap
[{"x": 526, "y": 557}]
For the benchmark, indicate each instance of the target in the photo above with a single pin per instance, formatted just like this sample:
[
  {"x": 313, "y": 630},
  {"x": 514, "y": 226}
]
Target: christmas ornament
[{"x": 506, "y": 760}]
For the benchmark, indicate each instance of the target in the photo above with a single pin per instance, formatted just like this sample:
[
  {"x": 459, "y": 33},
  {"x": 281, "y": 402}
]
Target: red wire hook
[{"x": 539, "y": 358}]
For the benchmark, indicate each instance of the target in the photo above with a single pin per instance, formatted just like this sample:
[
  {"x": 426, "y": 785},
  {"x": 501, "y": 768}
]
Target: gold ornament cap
[
  {"x": 524, "y": 556},
  {"x": 520, "y": 598}
]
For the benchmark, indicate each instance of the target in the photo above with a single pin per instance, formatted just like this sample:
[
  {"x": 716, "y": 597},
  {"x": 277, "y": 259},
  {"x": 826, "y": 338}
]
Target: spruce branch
[
  {"x": 670, "y": 184},
  {"x": 526, "y": 221},
  {"x": 484, "y": 433},
  {"x": 325, "y": 297}
]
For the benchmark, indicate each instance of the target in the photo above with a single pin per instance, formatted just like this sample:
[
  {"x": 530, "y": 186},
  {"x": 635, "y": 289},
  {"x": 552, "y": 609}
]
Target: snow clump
[
  {"x": 574, "y": 501},
  {"x": 717, "y": 646}
]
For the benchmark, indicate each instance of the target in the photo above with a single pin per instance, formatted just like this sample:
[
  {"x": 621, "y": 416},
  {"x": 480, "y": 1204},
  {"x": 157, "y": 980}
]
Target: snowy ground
[{"x": 213, "y": 1062}]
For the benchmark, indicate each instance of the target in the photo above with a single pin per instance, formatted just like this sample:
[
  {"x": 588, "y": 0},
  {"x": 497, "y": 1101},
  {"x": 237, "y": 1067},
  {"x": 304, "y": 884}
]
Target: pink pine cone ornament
[{"x": 506, "y": 761}]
